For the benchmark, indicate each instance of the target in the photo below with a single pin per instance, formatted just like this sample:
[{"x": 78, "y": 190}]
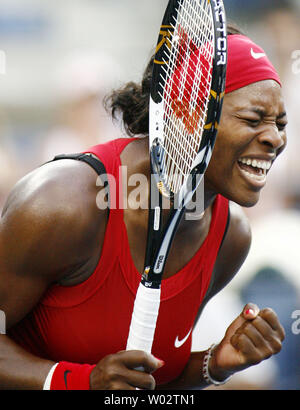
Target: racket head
[{"x": 188, "y": 86}]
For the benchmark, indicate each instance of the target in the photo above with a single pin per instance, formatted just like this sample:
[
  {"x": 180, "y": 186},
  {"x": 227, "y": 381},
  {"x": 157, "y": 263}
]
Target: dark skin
[{"x": 52, "y": 231}]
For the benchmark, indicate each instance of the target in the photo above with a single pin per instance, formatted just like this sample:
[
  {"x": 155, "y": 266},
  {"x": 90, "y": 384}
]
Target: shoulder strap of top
[
  {"x": 88, "y": 158},
  {"x": 109, "y": 152},
  {"x": 91, "y": 160}
]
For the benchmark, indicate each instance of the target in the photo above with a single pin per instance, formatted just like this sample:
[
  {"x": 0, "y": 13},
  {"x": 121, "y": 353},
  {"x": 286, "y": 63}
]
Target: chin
[
  {"x": 247, "y": 203},
  {"x": 246, "y": 200}
]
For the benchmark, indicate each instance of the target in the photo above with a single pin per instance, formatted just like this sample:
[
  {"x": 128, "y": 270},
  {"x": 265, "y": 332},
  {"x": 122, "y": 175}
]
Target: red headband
[{"x": 247, "y": 63}]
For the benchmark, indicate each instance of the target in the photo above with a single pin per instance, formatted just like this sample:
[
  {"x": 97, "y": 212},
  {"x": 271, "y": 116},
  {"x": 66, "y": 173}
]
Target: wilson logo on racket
[
  {"x": 166, "y": 32},
  {"x": 160, "y": 261},
  {"x": 190, "y": 120},
  {"x": 187, "y": 89}
]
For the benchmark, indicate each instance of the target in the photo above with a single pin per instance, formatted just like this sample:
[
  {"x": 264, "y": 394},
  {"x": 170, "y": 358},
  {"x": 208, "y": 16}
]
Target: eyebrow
[{"x": 262, "y": 112}]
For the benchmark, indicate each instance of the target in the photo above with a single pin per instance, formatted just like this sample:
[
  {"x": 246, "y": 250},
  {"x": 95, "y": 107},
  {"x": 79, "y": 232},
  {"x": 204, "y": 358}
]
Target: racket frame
[
  {"x": 159, "y": 239},
  {"x": 152, "y": 275}
]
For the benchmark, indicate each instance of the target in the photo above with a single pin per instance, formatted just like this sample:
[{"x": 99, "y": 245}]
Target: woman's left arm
[{"x": 253, "y": 336}]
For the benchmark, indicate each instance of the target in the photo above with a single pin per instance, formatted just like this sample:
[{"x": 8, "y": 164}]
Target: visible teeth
[{"x": 264, "y": 165}]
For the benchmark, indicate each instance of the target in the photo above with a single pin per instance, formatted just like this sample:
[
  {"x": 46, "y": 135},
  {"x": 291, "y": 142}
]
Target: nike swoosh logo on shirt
[
  {"x": 257, "y": 56},
  {"x": 65, "y": 377},
  {"x": 179, "y": 343}
]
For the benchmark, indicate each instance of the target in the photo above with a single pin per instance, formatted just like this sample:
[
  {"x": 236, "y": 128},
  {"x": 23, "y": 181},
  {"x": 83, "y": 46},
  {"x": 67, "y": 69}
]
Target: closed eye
[
  {"x": 281, "y": 126},
  {"x": 253, "y": 122}
]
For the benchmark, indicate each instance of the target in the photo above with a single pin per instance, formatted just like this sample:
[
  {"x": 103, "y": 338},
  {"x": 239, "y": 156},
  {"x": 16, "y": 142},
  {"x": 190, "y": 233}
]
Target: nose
[{"x": 273, "y": 137}]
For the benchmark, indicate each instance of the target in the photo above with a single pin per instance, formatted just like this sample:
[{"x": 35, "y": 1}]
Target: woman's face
[{"x": 251, "y": 135}]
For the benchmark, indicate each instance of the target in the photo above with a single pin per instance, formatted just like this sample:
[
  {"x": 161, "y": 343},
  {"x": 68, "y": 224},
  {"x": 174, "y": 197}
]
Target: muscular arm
[
  {"x": 50, "y": 230},
  {"x": 232, "y": 254}
]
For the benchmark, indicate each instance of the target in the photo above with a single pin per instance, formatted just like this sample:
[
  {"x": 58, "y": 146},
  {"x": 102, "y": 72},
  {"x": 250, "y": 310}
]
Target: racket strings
[{"x": 187, "y": 82}]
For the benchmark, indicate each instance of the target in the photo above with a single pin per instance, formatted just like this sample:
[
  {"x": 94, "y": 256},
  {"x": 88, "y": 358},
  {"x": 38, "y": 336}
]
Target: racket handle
[{"x": 144, "y": 317}]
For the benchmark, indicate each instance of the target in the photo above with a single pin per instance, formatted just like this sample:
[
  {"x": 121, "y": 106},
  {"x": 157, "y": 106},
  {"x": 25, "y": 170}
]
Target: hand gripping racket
[{"x": 187, "y": 91}]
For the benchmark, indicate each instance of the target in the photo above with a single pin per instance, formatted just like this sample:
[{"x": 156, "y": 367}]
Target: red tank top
[{"x": 86, "y": 322}]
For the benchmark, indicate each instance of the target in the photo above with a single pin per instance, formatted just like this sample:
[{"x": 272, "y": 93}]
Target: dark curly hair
[{"x": 132, "y": 100}]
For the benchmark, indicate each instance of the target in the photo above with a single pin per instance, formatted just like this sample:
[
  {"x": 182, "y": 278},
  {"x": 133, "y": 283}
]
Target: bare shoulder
[
  {"x": 136, "y": 156},
  {"x": 234, "y": 249},
  {"x": 51, "y": 217}
]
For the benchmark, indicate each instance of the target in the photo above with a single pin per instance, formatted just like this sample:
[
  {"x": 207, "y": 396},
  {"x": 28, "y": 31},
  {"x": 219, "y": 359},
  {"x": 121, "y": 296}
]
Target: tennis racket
[{"x": 187, "y": 91}]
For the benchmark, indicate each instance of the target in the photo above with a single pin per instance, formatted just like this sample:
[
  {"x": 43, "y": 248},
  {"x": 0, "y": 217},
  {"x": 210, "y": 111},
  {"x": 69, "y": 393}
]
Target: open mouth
[{"x": 254, "y": 170}]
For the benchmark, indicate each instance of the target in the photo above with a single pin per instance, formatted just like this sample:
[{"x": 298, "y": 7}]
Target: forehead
[{"x": 266, "y": 95}]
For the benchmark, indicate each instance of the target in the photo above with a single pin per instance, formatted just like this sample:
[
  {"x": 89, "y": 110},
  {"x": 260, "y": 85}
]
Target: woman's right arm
[
  {"x": 50, "y": 230},
  {"x": 42, "y": 241}
]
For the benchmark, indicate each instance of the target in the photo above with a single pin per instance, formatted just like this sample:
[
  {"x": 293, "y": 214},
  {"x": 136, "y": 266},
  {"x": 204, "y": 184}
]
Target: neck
[
  {"x": 209, "y": 197},
  {"x": 138, "y": 162},
  {"x": 201, "y": 201}
]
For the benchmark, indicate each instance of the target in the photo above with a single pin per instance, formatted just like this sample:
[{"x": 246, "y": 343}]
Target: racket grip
[{"x": 144, "y": 317}]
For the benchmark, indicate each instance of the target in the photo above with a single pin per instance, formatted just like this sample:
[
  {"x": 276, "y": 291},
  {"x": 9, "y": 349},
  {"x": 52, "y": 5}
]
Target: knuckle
[
  {"x": 146, "y": 356},
  {"x": 143, "y": 356},
  {"x": 242, "y": 342},
  {"x": 258, "y": 357},
  {"x": 233, "y": 340},
  {"x": 109, "y": 359},
  {"x": 243, "y": 337},
  {"x": 277, "y": 345},
  {"x": 281, "y": 333},
  {"x": 150, "y": 384},
  {"x": 252, "y": 358},
  {"x": 248, "y": 327},
  {"x": 268, "y": 352},
  {"x": 268, "y": 312}
]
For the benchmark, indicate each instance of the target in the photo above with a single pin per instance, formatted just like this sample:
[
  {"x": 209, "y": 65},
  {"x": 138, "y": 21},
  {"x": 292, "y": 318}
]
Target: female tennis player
[{"x": 70, "y": 268}]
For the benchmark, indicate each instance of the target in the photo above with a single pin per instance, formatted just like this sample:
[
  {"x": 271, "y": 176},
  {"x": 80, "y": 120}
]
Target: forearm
[
  {"x": 192, "y": 375},
  {"x": 20, "y": 369}
]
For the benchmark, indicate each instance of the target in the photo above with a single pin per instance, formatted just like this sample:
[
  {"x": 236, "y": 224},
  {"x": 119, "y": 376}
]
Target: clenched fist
[
  {"x": 255, "y": 335},
  {"x": 119, "y": 371}
]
